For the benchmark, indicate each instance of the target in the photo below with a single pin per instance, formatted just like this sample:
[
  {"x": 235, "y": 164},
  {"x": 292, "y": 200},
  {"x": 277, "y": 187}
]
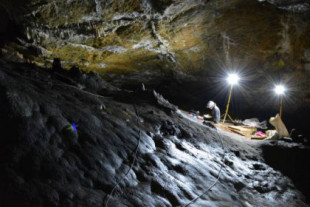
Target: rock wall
[{"x": 68, "y": 138}]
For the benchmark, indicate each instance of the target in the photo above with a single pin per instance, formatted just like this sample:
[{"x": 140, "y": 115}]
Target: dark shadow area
[
  {"x": 292, "y": 162},
  {"x": 12, "y": 20},
  {"x": 8, "y": 138}
]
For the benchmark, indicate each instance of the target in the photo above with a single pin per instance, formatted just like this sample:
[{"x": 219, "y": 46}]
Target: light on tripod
[
  {"x": 232, "y": 79},
  {"x": 280, "y": 90}
]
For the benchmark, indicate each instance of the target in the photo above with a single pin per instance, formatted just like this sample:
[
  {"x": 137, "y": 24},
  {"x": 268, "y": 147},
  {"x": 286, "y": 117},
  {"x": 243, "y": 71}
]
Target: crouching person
[{"x": 215, "y": 111}]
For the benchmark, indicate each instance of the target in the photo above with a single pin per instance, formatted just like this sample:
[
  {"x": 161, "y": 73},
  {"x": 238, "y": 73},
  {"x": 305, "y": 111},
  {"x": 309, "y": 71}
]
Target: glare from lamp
[
  {"x": 279, "y": 90},
  {"x": 233, "y": 79}
]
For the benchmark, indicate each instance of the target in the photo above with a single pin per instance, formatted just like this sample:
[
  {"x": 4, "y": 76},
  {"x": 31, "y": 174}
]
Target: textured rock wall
[
  {"x": 45, "y": 161},
  {"x": 121, "y": 36}
]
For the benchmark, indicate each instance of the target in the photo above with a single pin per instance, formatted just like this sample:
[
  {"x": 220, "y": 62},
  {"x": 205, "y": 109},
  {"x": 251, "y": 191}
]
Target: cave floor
[{"x": 222, "y": 128}]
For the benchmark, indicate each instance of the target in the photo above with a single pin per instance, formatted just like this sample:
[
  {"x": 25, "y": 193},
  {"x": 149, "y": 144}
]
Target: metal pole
[
  {"x": 228, "y": 102},
  {"x": 281, "y": 100}
]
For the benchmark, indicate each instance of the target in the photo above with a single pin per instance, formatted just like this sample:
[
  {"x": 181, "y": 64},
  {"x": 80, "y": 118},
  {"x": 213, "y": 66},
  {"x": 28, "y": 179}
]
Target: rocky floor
[{"x": 69, "y": 139}]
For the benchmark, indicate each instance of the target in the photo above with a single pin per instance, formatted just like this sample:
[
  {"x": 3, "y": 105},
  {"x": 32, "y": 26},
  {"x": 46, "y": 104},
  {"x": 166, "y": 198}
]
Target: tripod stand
[{"x": 227, "y": 106}]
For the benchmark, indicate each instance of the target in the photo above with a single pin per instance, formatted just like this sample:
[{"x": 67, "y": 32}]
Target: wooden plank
[
  {"x": 259, "y": 137},
  {"x": 244, "y": 131},
  {"x": 238, "y": 132}
]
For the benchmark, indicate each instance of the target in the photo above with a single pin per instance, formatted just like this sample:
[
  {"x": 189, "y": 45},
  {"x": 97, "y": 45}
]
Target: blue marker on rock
[{"x": 74, "y": 126}]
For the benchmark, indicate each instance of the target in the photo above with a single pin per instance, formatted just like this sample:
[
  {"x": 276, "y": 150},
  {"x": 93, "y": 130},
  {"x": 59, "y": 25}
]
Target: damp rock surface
[{"x": 60, "y": 147}]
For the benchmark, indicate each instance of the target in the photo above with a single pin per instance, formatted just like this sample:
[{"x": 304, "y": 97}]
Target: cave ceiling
[{"x": 186, "y": 36}]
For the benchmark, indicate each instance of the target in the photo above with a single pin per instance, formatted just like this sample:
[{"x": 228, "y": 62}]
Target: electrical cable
[
  {"x": 62, "y": 84},
  {"x": 83, "y": 91},
  {"x": 136, "y": 151},
  {"x": 218, "y": 176},
  {"x": 134, "y": 159},
  {"x": 139, "y": 136}
]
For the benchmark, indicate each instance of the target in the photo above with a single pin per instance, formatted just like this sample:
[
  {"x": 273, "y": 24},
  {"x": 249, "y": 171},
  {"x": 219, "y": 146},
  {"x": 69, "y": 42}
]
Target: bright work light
[
  {"x": 279, "y": 89},
  {"x": 233, "y": 79}
]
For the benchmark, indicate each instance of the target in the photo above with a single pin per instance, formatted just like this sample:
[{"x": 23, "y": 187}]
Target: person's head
[{"x": 210, "y": 105}]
